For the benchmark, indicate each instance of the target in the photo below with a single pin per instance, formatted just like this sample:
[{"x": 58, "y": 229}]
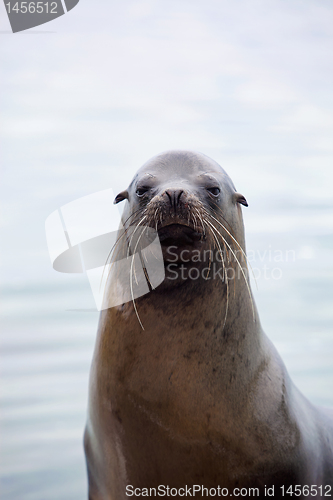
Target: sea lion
[{"x": 185, "y": 388}]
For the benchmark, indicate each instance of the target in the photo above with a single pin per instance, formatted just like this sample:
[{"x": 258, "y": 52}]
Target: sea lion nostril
[{"x": 174, "y": 196}]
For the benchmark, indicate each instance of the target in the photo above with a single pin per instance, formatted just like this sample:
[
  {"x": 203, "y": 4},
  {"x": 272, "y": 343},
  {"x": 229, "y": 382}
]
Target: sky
[
  {"x": 111, "y": 84},
  {"x": 87, "y": 98}
]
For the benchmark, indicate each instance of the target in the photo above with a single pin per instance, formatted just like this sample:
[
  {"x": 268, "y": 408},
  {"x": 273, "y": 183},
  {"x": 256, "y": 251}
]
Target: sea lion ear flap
[
  {"x": 239, "y": 198},
  {"x": 120, "y": 197}
]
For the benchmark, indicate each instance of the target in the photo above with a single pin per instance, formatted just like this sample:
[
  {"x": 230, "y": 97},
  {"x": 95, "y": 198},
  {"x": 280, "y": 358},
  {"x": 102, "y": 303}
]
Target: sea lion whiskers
[
  {"x": 114, "y": 246},
  {"x": 210, "y": 263},
  {"x": 203, "y": 236},
  {"x": 124, "y": 233},
  {"x": 195, "y": 221},
  {"x": 202, "y": 224},
  {"x": 237, "y": 243},
  {"x": 225, "y": 276},
  {"x": 156, "y": 217},
  {"x": 210, "y": 256},
  {"x": 131, "y": 276},
  {"x": 219, "y": 211},
  {"x": 138, "y": 225},
  {"x": 240, "y": 267}
]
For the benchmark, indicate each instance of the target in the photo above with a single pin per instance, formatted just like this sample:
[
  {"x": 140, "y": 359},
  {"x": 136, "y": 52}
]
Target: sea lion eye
[
  {"x": 215, "y": 191},
  {"x": 141, "y": 191}
]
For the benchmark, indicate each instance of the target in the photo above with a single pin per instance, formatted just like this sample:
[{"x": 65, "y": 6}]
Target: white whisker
[{"x": 240, "y": 267}]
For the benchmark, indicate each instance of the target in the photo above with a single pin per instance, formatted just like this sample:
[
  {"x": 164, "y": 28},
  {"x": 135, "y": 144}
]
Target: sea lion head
[{"x": 192, "y": 204}]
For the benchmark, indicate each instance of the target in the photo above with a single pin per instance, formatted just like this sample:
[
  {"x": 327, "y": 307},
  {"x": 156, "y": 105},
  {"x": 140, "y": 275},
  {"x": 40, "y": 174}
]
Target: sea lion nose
[{"x": 174, "y": 196}]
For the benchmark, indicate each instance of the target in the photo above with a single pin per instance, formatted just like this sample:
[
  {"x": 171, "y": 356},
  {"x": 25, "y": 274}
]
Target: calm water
[
  {"x": 46, "y": 353},
  {"x": 47, "y": 349}
]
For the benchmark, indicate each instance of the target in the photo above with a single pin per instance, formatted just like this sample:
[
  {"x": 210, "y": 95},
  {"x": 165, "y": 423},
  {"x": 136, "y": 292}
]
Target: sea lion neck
[{"x": 200, "y": 318}]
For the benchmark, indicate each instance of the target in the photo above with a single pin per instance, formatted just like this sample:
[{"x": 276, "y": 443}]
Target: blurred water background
[{"x": 85, "y": 101}]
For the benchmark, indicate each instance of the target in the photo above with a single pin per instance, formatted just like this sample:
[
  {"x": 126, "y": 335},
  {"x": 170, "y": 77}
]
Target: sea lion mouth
[{"x": 179, "y": 235}]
